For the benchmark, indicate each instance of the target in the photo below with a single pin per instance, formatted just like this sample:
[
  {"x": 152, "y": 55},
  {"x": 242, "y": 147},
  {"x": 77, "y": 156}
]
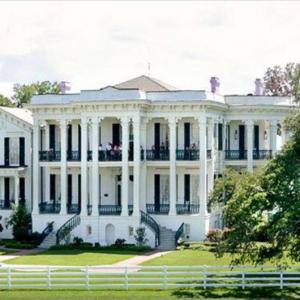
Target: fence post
[
  {"x": 87, "y": 277},
  {"x": 165, "y": 277},
  {"x": 8, "y": 278},
  {"x": 281, "y": 279},
  {"x": 49, "y": 278},
  {"x": 204, "y": 278},
  {"x": 243, "y": 277},
  {"x": 126, "y": 278}
]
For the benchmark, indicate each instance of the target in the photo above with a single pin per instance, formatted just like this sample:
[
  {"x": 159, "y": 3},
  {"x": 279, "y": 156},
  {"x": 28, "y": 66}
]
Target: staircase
[
  {"x": 167, "y": 239},
  {"x": 49, "y": 240}
]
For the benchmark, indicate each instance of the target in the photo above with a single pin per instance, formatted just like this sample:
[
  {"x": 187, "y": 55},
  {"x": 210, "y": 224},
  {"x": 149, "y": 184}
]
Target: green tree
[
  {"x": 23, "y": 93},
  {"x": 5, "y": 101},
  {"x": 283, "y": 81},
  {"x": 20, "y": 221}
]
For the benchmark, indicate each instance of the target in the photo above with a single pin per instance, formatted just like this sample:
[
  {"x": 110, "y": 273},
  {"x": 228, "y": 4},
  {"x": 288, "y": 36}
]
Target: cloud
[{"x": 93, "y": 44}]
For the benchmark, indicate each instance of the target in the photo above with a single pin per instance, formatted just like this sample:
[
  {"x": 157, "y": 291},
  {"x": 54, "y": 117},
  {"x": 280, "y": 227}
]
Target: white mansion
[{"x": 140, "y": 153}]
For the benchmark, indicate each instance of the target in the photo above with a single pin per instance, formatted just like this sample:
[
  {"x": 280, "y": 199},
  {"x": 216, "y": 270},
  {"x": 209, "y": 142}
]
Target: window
[{"x": 130, "y": 231}]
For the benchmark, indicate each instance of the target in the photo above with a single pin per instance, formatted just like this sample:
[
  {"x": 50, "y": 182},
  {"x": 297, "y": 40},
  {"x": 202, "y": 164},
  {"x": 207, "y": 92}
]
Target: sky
[{"x": 95, "y": 44}]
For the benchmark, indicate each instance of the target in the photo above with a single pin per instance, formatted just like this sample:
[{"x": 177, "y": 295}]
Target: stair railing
[
  {"x": 48, "y": 229},
  {"x": 66, "y": 228},
  {"x": 152, "y": 224},
  {"x": 179, "y": 233}
]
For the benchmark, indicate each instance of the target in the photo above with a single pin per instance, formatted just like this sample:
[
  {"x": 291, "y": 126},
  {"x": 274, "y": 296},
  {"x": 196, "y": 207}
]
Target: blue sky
[{"x": 93, "y": 44}]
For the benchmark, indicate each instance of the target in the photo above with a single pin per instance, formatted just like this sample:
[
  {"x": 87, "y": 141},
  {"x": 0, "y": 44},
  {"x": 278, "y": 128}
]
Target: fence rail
[{"x": 164, "y": 277}]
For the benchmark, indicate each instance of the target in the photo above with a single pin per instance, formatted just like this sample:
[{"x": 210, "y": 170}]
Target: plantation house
[{"x": 139, "y": 153}]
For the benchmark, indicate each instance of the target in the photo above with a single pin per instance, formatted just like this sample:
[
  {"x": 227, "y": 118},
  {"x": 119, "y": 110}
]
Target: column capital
[
  {"x": 273, "y": 122},
  {"x": 172, "y": 120},
  {"x": 62, "y": 122},
  {"x": 249, "y": 123},
  {"x": 202, "y": 120},
  {"x": 125, "y": 120},
  {"x": 136, "y": 120}
]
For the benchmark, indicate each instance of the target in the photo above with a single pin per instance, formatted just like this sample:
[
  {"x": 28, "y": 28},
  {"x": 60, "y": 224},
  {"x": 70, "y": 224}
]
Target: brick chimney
[
  {"x": 259, "y": 88},
  {"x": 214, "y": 84}
]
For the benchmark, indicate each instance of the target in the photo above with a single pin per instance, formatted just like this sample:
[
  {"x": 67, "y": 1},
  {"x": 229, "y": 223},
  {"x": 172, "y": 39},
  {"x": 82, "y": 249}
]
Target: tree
[
  {"x": 265, "y": 206},
  {"x": 4, "y": 101},
  {"x": 285, "y": 81},
  {"x": 23, "y": 93},
  {"x": 140, "y": 236},
  {"x": 20, "y": 221}
]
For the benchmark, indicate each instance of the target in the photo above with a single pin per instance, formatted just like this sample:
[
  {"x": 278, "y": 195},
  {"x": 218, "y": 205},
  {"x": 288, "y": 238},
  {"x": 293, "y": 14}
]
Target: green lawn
[
  {"x": 230, "y": 293},
  {"x": 3, "y": 252},
  {"x": 74, "y": 257}
]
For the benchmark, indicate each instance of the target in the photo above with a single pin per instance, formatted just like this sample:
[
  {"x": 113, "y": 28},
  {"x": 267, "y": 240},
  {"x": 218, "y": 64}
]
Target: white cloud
[{"x": 93, "y": 44}]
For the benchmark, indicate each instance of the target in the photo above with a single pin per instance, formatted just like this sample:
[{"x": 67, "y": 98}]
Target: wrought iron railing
[
  {"x": 158, "y": 209},
  {"x": 89, "y": 155},
  {"x": 6, "y": 204},
  {"x": 187, "y": 154},
  {"x": 73, "y": 156},
  {"x": 157, "y": 154},
  {"x": 104, "y": 155},
  {"x": 152, "y": 224},
  {"x": 262, "y": 154},
  {"x": 66, "y": 228},
  {"x": 110, "y": 210},
  {"x": 130, "y": 209},
  {"x": 48, "y": 229},
  {"x": 179, "y": 233},
  {"x": 186, "y": 209},
  {"x": 50, "y": 155},
  {"x": 73, "y": 208},
  {"x": 89, "y": 209},
  {"x": 49, "y": 208},
  {"x": 235, "y": 154}
]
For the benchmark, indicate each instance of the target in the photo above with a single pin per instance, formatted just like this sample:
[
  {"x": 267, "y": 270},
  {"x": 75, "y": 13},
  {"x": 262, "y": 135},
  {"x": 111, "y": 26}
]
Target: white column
[
  {"x": 47, "y": 169},
  {"x": 173, "y": 187},
  {"x": 284, "y": 134},
  {"x": 137, "y": 165},
  {"x": 250, "y": 128},
  {"x": 17, "y": 183},
  {"x": 95, "y": 166},
  {"x": 125, "y": 167},
  {"x": 273, "y": 136},
  {"x": 143, "y": 183},
  {"x": 35, "y": 167},
  {"x": 211, "y": 147},
  {"x": 63, "y": 167},
  {"x": 84, "y": 188},
  {"x": 203, "y": 165}
]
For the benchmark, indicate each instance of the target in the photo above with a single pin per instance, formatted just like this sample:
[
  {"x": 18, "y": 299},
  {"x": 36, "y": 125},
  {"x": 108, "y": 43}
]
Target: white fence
[{"x": 163, "y": 277}]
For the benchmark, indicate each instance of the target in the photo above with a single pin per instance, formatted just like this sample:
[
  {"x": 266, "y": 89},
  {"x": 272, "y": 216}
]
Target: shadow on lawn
[{"x": 238, "y": 293}]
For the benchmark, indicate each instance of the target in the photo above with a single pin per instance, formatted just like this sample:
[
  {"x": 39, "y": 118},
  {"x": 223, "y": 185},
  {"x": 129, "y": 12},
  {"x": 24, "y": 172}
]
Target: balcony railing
[
  {"x": 159, "y": 209},
  {"x": 50, "y": 155},
  {"x": 89, "y": 155},
  {"x": 6, "y": 204},
  {"x": 104, "y": 155},
  {"x": 73, "y": 208},
  {"x": 262, "y": 154},
  {"x": 187, "y": 208},
  {"x": 208, "y": 155},
  {"x": 235, "y": 154},
  {"x": 188, "y": 154},
  {"x": 113, "y": 210},
  {"x": 157, "y": 154},
  {"x": 243, "y": 154},
  {"x": 73, "y": 156},
  {"x": 49, "y": 208}
]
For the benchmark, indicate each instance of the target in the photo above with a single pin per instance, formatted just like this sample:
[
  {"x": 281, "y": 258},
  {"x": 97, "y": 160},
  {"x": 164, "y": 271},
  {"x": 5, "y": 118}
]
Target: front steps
[
  {"x": 167, "y": 239},
  {"x": 49, "y": 240}
]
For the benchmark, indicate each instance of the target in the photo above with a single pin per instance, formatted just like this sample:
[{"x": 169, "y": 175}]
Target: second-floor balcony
[
  {"x": 157, "y": 154},
  {"x": 49, "y": 208},
  {"x": 113, "y": 210},
  {"x": 50, "y": 155},
  {"x": 243, "y": 154}
]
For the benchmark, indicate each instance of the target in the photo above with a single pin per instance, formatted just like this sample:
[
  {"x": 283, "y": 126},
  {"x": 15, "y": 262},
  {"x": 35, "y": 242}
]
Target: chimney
[
  {"x": 214, "y": 84},
  {"x": 259, "y": 90},
  {"x": 64, "y": 87}
]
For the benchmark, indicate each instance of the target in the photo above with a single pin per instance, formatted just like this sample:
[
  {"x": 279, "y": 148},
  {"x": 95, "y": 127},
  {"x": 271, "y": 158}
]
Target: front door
[
  {"x": 242, "y": 141},
  {"x": 187, "y": 134},
  {"x": 52, "y": 188},
  {"x": 187, "y": 188},
  {"x": 52, "y": 137}
]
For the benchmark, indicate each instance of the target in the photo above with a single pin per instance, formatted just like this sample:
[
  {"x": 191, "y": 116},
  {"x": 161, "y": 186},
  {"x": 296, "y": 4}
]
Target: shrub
[
  {"x": 20, "y": 221},
  {"x": 17, "y": 244},
  {"x": 120, "y": 243},
  {"x": 215, "y": 235},
  {"x": 140, "y": 236},
  {"x": 77, "y": 241}
]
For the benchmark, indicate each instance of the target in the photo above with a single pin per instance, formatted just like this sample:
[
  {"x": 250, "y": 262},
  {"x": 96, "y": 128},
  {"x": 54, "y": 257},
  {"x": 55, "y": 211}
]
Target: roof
[
  {"x": 20, "y": 113},
  {"x": 145, "y": 83}
]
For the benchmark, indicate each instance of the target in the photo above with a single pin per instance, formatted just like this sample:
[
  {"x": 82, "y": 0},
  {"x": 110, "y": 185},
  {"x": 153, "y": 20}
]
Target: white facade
[{"x": 173, "y": 145}]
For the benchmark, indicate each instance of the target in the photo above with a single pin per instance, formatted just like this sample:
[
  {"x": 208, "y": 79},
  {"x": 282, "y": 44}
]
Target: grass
[
  {"x": 4, "y": 251},
  {"x": 229, "y": 293},
  {"x": 75, "y": 257}
]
